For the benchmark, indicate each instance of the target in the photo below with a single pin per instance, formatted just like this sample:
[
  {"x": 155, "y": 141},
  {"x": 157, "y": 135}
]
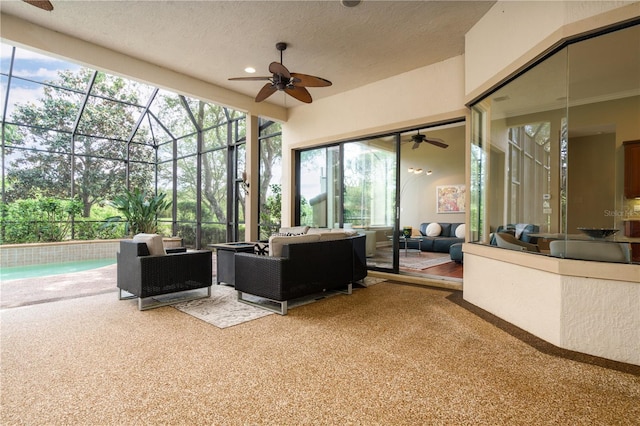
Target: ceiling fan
[
  {"x": 418, "y": 138},
  {"x": 292, "y": 83},
  {"x": 42, "y": 4}
]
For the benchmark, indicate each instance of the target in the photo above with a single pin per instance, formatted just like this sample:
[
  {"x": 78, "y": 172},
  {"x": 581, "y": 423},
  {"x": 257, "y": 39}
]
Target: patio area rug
[
  {"x": 415, "y": 261},
  {"x": 369, "y": 281},
  {"x": 221, "y": 309}
]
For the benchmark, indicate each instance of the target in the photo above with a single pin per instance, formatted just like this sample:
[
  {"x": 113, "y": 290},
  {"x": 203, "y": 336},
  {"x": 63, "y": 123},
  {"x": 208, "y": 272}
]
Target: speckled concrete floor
[{"x": 387, "y": 355}]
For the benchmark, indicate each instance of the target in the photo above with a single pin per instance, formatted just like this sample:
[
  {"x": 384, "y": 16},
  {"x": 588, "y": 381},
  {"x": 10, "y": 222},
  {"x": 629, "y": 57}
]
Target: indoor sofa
[
  {"x": 438, "y": 238},
  {"x": 521, "y": 231},
  {"x": 300, "y": 266}
]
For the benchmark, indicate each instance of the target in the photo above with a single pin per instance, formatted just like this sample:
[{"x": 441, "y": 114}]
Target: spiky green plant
[{"x": 139, "y": 210}]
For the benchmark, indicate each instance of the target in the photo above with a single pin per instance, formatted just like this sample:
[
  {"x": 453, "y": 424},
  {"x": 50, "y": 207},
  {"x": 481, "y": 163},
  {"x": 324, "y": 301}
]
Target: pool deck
[{"x": 31, "y": 291}]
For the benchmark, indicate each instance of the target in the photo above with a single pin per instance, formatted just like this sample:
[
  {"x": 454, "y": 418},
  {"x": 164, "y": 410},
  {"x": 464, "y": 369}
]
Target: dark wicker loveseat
[
  {"x": 303, "y": 269},
  {"x": 145, "y": 276}
]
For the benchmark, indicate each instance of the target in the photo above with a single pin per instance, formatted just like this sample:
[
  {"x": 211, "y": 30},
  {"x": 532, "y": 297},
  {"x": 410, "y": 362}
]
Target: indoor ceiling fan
[
  {"x": 292, "y": 83},
  {"x": 42, "y": 4},
  {"x": 418, "y": 138}
]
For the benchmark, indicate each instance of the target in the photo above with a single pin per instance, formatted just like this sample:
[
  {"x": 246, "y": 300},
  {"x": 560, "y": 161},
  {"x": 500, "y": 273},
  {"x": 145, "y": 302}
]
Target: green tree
[
  {"x": 96, "y": 162},
  {"x": 270, "y": 156},
  {"x": 205, "y": 125},
  {"x": 271, "y": 211}
]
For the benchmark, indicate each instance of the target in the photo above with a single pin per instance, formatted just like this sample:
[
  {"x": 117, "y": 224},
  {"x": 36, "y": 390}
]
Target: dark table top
[{"x": 232, "y": 246}]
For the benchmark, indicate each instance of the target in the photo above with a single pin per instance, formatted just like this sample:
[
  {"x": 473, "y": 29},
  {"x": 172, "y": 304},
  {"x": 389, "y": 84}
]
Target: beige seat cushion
[
  {"x": 276, "y": 242},
  {"x": 318, "y": 231},
  {"x": 347, "y": 231},
  {"x": 332, "y": 236},
  {"x": 153, "y": 241}
]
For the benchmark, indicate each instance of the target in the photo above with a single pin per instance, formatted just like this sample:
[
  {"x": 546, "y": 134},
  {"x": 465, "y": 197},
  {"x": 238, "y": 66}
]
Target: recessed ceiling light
[{"x": 250, "y": 70}]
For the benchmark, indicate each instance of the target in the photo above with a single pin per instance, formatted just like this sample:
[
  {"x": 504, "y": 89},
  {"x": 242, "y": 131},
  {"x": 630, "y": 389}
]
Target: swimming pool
[{"x": 34, "y": 271}]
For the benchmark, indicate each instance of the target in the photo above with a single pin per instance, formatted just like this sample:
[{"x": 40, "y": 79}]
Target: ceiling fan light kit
[
  {"x": 293, "y": 84},
  {"x": 350, "y": 3}
]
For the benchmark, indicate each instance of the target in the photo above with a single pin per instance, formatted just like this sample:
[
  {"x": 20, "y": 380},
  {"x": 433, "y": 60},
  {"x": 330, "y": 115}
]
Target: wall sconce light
[{"x": 245, "y": 181}]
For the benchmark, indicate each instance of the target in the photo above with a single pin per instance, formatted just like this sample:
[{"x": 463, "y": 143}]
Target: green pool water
[{"x": 32, "y": 271}]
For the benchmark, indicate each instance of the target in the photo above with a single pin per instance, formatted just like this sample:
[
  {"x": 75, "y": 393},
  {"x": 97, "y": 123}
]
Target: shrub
[{"x": 40, "y": 219}]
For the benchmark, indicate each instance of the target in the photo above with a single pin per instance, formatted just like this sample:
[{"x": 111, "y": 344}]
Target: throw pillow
[
  {"x": 460, "y": 231},
  {"x": 261, "y": 249},
  {"x": 433, "y": 229},
  {"x": 294, "y": 230},
  {"x": 153, "y": 241},
  {"x": 312, "y": 231}
]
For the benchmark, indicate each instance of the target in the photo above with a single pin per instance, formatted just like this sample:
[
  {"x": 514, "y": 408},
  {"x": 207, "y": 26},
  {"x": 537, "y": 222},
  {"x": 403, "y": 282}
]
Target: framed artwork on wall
[{"x": 450, "y": 199}]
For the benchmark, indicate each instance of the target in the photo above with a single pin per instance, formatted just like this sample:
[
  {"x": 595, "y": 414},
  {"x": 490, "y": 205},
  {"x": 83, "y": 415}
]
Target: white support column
[{"x": 252, "y": 168}]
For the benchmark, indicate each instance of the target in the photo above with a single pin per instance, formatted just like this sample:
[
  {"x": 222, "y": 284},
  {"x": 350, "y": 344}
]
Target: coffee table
[
  {"x": 225, "y": 261},
  {"x": 406, "y": 241}
]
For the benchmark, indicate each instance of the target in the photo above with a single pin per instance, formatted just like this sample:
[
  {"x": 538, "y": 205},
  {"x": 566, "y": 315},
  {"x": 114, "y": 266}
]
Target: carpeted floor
[{"x": 388, "y": 354}]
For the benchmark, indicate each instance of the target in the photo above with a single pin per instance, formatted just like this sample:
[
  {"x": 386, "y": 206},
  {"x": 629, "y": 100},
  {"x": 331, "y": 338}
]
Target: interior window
[{"x": 554, "y": 139}]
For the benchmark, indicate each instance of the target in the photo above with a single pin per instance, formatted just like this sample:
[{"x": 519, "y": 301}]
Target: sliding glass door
[
  {"x": 353, "y": 186},
  {"x": 370, "y": 196},
  {"x": 319, "y": 198}
]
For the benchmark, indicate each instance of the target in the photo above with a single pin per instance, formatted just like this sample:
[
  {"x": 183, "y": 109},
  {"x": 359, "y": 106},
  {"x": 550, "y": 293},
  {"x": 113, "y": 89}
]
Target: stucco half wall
[{"x": 588, "y": 307}]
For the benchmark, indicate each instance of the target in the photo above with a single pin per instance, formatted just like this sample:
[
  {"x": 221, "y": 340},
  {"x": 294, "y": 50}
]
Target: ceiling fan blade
[
  {"x": 300, "y": 93},
  {"x": 415, "y": 145},
  {"x": 278, "y": 68},
  {"x": 266, "y": 91},
  {"x": 436, "y": 142},
  {"x": 250, "y": 78},
  {"x": 309, "y": 80},
  {"x": 42, "y": 4}
]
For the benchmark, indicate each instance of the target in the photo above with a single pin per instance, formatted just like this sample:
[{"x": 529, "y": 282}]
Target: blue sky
[{"x": 33, "y": 66}]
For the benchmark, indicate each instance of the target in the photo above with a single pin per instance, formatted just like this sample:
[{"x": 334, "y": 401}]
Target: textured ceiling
[{"x": 215, "y": 40}]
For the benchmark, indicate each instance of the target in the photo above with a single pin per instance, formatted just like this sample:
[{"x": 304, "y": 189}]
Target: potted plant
[{"x": 139, "y": 210}]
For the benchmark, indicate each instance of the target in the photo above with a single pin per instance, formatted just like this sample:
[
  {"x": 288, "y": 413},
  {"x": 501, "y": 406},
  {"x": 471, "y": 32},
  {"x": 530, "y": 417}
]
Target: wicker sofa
[
  {"x": 145, "y": 276},
  {"x": 314, "y": 264}
]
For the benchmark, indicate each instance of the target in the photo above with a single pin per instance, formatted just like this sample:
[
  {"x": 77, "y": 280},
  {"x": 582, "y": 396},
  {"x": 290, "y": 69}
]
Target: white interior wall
[
  {"x": 532, "y": 304},
  {"x": 417, "y": 97},
  {"x": 418, "y": 192},
  {"x": 571, "y": 312},
  {"x": 413, "y": 95},
  {"x": 513, "y": 33}
]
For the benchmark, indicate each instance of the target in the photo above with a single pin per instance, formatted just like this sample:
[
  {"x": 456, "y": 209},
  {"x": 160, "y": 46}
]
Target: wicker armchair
[
  {"x": 145, "y": 276},
  {"x": 302, "y": 270}
]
